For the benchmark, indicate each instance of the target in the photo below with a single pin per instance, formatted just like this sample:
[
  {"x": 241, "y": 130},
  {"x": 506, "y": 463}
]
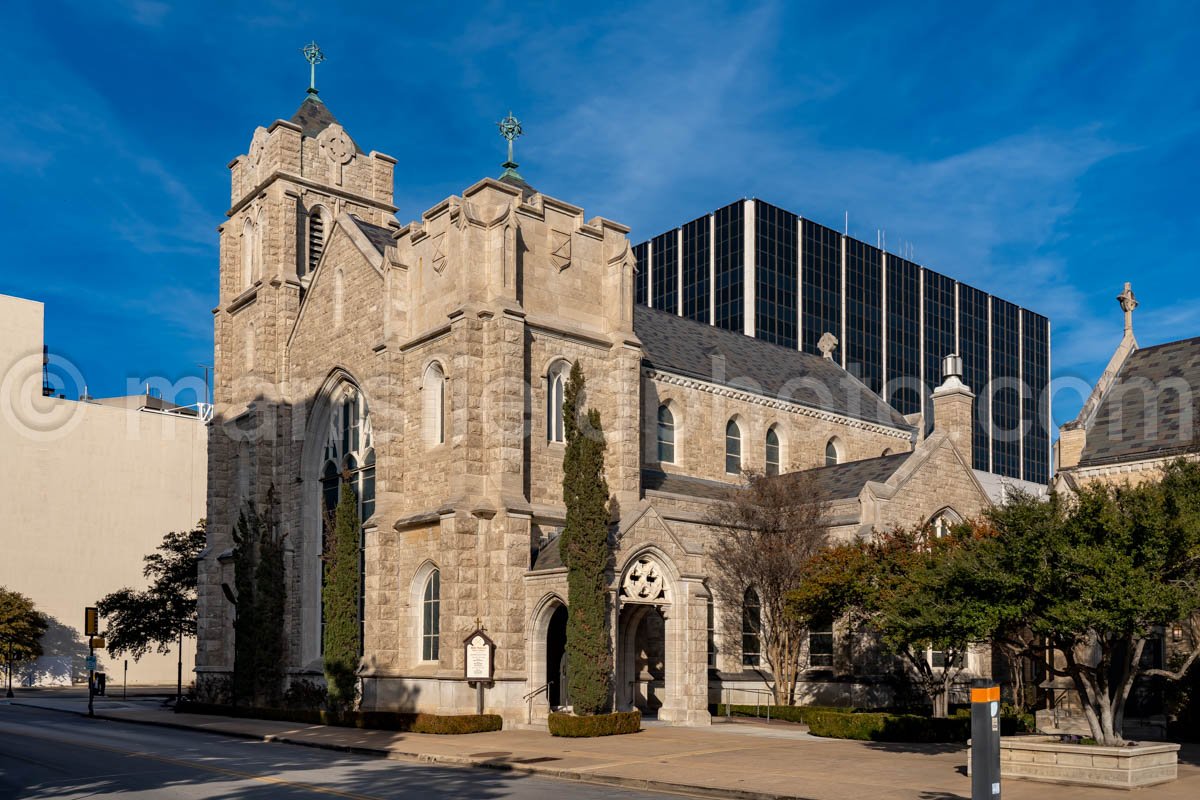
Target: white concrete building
[{"x": 87, "y": 489}]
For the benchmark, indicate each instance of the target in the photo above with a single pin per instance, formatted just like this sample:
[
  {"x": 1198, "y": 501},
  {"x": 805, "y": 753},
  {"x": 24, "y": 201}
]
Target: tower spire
[
  {"x": 313, "y": 55},
  {"x": 510, "y": 129}
]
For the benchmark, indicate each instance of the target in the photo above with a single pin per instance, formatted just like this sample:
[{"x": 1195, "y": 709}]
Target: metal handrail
[
  {"x": 757, "y": 704},
  {"x": 545, "y": 687}
]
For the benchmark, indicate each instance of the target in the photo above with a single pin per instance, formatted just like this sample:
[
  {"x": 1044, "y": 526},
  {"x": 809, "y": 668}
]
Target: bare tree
[{"x": 766, "y": 533}]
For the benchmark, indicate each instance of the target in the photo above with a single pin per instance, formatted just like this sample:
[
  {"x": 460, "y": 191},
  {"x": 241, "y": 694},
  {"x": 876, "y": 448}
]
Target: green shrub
[
  {"x": 374, "y": 720},
  {"x": 883, "y": 727},
  {"x": 787, "y": 713},
  {"x": 595, "y": 725}
]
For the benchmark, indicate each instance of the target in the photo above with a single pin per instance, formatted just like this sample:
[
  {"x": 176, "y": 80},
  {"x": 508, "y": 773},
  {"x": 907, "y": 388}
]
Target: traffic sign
[
  {"x": 91, "y": 625},
  {"x": 91, "y": 663},
  {"x": 97, "y": 642}
]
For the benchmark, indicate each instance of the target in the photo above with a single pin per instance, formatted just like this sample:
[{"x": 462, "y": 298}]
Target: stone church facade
[{"x": 425, "y": 363}]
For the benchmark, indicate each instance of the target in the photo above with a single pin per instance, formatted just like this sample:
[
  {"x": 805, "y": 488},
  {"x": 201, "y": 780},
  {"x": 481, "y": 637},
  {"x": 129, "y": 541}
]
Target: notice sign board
[{"x": 480, "y": 660}]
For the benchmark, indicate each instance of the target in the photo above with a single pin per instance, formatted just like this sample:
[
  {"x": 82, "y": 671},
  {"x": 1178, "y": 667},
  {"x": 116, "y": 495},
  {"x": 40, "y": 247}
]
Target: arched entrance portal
[
  {"x": 556, "y": 658},
  {"x": 645, "y": 657}
]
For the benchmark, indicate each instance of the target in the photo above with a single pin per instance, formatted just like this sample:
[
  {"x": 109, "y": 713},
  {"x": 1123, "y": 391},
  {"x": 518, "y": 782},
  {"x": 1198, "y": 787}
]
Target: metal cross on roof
[
  {"x": 510, "y": 129},
  {"x": 313, "y": 55}
]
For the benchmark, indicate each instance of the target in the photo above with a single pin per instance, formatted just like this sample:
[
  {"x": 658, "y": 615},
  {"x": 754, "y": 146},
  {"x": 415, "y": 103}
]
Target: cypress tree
[
  {"x": 585, "y": 550},
  {"x": 340, "y": 600},
  {"x": 245, "y": 625},
  {"x": 260, "y": 584},
  {"x": 270, "y": 596}
]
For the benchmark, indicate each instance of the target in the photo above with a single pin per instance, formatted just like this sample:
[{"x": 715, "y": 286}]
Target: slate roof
[
  {"x": 685, "y": 485},
  {"x": 684, "y": 347},
  {"x": 313, "y": 116},
  {"x": 1152, "y": 408},
  {"x": 379, "y": 237},
  {"x": 844, "y": 481},
  {"x": 549, "y": 556}
]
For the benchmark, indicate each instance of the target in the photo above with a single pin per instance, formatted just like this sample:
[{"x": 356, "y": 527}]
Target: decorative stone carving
[
  {"x": 644, "y": 582},
  {"x": 827, "y": 344},
  {"x": 258, "y": 146},
  {"x": 336, "y": 146},
  {"x": 560, "y": 249},
  {"x": 439, "y": 255}
]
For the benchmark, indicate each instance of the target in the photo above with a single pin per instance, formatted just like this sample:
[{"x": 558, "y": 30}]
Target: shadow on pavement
[{"x": 42, "y": 758}]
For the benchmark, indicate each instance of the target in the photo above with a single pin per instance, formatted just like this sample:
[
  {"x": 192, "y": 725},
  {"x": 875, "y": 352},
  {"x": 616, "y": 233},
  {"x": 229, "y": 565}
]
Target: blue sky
[{"x": 1042, "y": 152}]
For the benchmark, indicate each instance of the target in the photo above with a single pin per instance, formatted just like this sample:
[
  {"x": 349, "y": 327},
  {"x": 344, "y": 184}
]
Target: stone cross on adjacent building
[
  {"x": 1128, "y": 304},
  {"x": 827, "y": 344}
]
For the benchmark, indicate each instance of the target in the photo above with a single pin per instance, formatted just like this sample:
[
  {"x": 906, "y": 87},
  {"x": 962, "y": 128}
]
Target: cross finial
[
  {"x": 313, "y": 55},
  {"x": 827, "y": 344},
  {"x": 1128, "y": 304},
  {"x": 510, "y": 129}
]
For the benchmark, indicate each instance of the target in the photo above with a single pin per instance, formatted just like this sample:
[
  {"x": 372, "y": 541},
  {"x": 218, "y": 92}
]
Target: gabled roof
[
  {"x": 684, "y": 347},
  {"x": 844, "y": 481},
  {"x": 313, "y": 116},
  {"x": 380, "y": 238},
  {"x": 1152, "y": 408},
  {"x": 685, "y": 485}
]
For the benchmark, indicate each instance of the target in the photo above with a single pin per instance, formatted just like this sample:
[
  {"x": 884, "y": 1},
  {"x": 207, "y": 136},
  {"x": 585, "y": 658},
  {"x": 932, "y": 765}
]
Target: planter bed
[{"x": 1046, "y": 758}]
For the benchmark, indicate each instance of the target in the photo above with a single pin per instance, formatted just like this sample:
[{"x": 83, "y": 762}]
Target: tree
[
  {"x": 909, "y": 588},
  {"x": 768, "y": 531},
  {"x": 340, "y": 600},
  {"x": 21, "y": 629},
  {"x": 1092, "y": 578},
  {"x": 585, "y": 550},
  {"x": 261, "y": 597},
  {"x": 164, "y": 613}
]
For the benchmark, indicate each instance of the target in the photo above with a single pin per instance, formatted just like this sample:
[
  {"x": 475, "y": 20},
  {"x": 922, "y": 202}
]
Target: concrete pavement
[{"x": 748, "y": 760}]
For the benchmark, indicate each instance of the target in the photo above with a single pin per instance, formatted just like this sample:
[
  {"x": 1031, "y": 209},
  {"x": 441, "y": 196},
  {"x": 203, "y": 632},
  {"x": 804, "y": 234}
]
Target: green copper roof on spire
[
  {"x": 510, "y": 129},
  {"x": 313, "y": 55}
]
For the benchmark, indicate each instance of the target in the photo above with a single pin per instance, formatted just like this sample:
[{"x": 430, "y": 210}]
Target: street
[{"x": 53, "y": 754}]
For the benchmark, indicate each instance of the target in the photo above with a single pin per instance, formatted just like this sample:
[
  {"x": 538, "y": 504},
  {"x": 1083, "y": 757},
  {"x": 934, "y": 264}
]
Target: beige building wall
[{"x": 86, "y": 491}]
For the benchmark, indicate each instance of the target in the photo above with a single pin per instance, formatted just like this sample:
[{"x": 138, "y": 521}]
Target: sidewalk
[{"x": 738, "y": 760}]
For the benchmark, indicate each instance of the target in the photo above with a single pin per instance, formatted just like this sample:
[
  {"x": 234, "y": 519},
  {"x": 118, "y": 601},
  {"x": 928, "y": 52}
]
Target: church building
[{"x": 425, "y": 364}]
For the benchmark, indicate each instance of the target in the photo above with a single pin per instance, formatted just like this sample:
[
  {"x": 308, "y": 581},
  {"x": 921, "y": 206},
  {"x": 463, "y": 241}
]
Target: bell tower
[{"x": 296, "y": 179}]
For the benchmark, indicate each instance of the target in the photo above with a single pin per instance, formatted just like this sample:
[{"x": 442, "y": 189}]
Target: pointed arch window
[
  {"x": 348, "y": 458},
  {"x": 772, "y": 454},
  {"x": 666, "y": 435},
  {"x": 431, "y": 621},
  {"x": 260, "y": 239},
  {"x": 434, "y": 398},
  {"x": 733, "y": 447},
  {"x": 248, "y": 249},
  {"x": 833, "y": 452},
  {"x": 556, "y": 386},
  {"x": 318, "y": 227},
  {"x": 751, "y": 629}
]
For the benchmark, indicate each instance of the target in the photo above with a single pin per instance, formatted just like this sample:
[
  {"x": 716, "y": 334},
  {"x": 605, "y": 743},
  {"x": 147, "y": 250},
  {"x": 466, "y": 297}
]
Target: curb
[{"x": 646, "y": 784}]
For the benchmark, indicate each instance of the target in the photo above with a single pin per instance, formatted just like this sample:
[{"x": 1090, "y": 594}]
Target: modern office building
[{"x": 771, "y": 274}]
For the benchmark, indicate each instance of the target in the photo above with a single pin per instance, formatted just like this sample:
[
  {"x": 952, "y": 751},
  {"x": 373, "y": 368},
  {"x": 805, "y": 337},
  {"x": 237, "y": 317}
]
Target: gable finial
[
  {"x": 313, "y": 55},
  {"x": 510, "y": 129},
  {"x": 1128, "y": 304}
]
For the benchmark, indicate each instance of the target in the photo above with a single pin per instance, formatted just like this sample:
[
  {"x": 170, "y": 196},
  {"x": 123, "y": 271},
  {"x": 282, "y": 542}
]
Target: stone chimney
[{"x": 954, "y": 406}]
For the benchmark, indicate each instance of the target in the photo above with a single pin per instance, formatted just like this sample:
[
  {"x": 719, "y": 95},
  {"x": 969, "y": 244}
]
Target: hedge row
[
  {"x": 596, "y": 725},
  {"x": 877, "y": 727},
  {"x": 378, "y": 720},
  {"x": 787, "y": 713}
]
